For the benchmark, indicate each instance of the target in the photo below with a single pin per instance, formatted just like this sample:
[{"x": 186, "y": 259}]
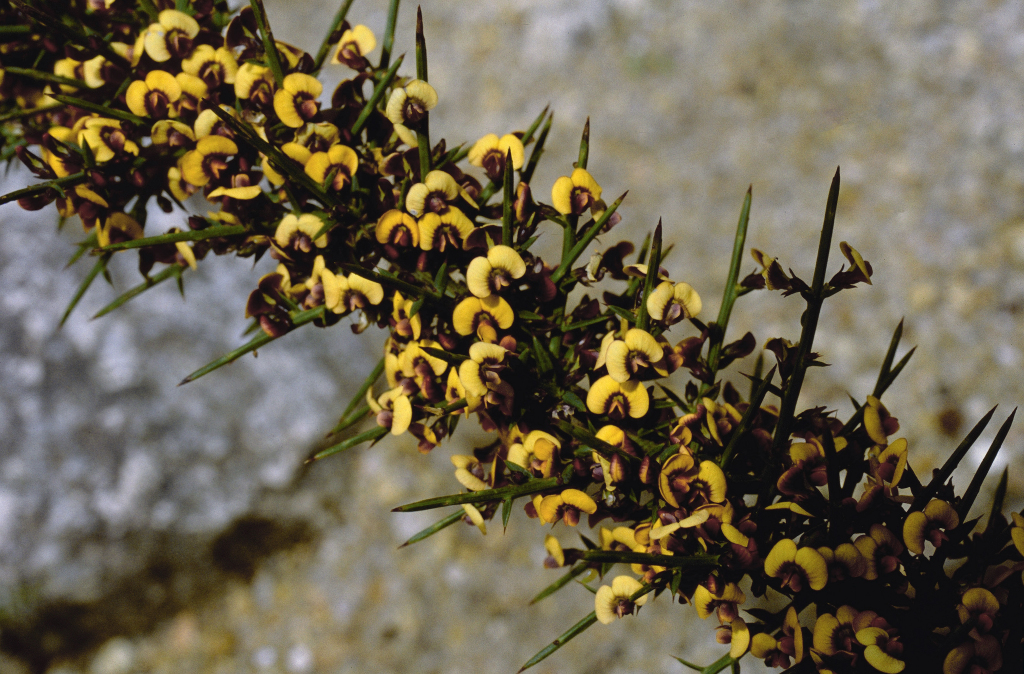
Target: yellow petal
[
  {"x": 762, "y": 644},
  {"x": 561, "y": 195},
  {"x": 824, "y": 629},
  {"x": 371, "y": 290},
  {"x": 659, "y": 300},
  {"x": 813, "y": 564},
  {"x": 470, "y": 481},
  {"x": 394, "y": 222},
  {"x": 713, "y": 476},
  {"x": 510, "y": 143},
  {"x": 740, "y": 638},
  {"x": 402, "y": 411},
  {"x": 478, "y": 276},
  {"x": 703, "y": 601},
  {"x": 579, "y": 500},
  {"x": 617, "y": 361},
  {"x": 882, "y": 661},
  {"x": 605, "y": 604},
  {"x": 475, "y": 517},
  {"x": 554, "y": 549},
  {"x": 873, "y": 425},
  {"x": 783, "y": 552}
]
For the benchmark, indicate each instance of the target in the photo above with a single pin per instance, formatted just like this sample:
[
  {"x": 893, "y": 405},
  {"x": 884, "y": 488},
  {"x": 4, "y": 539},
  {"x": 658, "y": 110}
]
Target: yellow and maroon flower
[
  {"x": 881, "y": 549},
  {"x": 878, "y": 423},
  {"x": 295, "y": 102},
  {"x": 574, "y": 194},
  {"x": 676, "y": 475},
  {"x": 566, "y": 506},
  {"x": 172, "y": 133},
  {"x": 556, "y": 556},
  {"x": 766, "y": 647},
  {"x": 844, "y": 562},
  {"x": 796, "y": 568},
  {"x": 193, "y": 92},
  {"x": 343, "y": 294},
  {"x": 450, "y": 229},
  {"x": 837, "y": 634},
  {"x": 298, "y": 153},
  {"x": 881, "y": 650},
  {"x": 208, "y": 161},
  {"x": 154, "y": 96},
  {"x": 106, "y": 139},
  {"x": 614, "y": 601},
  {"x": 178, "y": 186},
  {"x": 482, "y": 369},
  {"x": 213, "y": 66},
  {"x": 980, "y": 656},
  {"x": 393, "y": 409},
  {"x": 254, "y": 83},
  {"x": 735, "y": 633},
  {"x": 724, "y": 603},
  {"x": 296, "y": 232},
  {"x": 1017, "y": 532},
  {"x": 434, "y": 195},
  {"x": 636, "y": 351},
  {"x": 930, "y": 525},
  {"x": 537, "y": 453},
  {"x": 70, "y": 68},
  {"x": 469, "y": 472},
  {"x": 490, "y": 152},
  {"x": 891, "y": 462},
  {"x": 116, "y": 228},
  {"x": 408, "y": 105},
  {"x": 398, "y": 229},
  {"x": 495, "y": 272},
  {"x": 618, "y": 400},
  {"x": 171, "y": 37},
  {"x": 475, "y": 517},
  {"x": 979, "y": 605},
  {"x": 670, "y": 303},
  {"x": 354, "y": 45},
  {"x": 340, "y": 160},
  {"x": 483, "y": 317},
  {"x": 403, "y": 321}
]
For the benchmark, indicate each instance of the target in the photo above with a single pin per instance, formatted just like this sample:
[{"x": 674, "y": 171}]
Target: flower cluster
[{"x": 707, "y": 494}]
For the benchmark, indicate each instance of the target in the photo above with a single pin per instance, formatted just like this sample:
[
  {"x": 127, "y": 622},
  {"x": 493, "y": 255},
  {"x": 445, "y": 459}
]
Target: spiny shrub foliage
[{"x": 714, "y": 498}]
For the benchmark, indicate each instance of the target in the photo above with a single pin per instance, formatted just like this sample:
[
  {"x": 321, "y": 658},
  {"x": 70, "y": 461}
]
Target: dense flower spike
[{"x": 702, "y": 489}]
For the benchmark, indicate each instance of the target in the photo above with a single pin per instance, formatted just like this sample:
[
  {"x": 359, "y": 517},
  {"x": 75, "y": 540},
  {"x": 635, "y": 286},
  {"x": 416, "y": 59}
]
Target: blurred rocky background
[{"x": 150, "y": 528}]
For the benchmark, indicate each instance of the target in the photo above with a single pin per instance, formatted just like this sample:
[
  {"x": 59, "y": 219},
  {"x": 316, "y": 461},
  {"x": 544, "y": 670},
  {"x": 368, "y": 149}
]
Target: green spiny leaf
[
  {"x": 98, "y": 268},
  {"x": 215, "y": 232},
  {"x": 435, "y": 527},
  {"x": 378, "y": 92},
  {"x": 922, "y": 498},
  {"x": 298, "y": 319},
  {"x": 514, "y": 491},
  {"x": 375, "y": 433},
  {"x": 171, "y": 271},
  {"x": 325, "y": 46},
  {"x": 560, "y": 583},
  {"x": 964, "y": 507}
]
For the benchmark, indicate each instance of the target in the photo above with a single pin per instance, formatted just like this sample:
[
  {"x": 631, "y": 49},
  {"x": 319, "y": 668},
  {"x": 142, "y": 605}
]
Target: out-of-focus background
[{"x": 150, "y": 528}]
